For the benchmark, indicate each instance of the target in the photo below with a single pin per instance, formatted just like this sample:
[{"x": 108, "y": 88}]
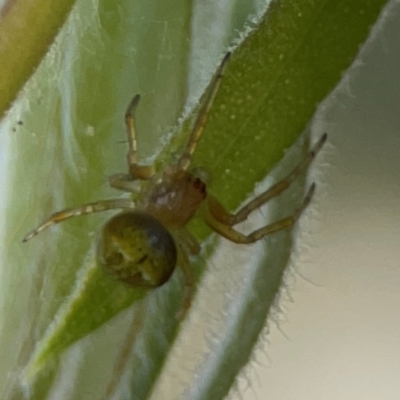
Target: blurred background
[{"x": 337, "y": 334}]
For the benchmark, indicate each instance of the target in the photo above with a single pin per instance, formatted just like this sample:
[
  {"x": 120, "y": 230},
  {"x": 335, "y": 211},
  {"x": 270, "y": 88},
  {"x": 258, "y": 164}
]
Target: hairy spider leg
[
  {"x": 234, "y": 236},
  {"x": 130, "y": 130},
  {"x": 135, "y": 171},
  {"x": 186, "y": 244},
  {"x": 189, "y": 286},
  {"x": 83, "y": 209},
  {"x": 197, "y": 130},
  {"x": 219, "y": 212}
]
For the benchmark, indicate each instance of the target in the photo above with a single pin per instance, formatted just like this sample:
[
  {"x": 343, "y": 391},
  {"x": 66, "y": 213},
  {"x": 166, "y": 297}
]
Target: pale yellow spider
[{"x": 142, "y": 245}]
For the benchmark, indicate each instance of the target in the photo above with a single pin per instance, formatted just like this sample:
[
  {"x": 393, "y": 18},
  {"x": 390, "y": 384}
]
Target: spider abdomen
[{"x": 137, "y": 249}]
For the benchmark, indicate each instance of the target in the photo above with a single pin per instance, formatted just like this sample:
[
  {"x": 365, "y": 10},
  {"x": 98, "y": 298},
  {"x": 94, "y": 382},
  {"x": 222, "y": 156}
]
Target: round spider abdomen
[{"x": 137, "y": 249}]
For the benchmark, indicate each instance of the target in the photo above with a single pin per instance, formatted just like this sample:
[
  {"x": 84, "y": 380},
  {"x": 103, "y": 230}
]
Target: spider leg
[
  {"x": 190, "y": 242},
  {"x": 136, "y": 171},
  {"x": 220, "y": 214},
  {"x": 88, "y": 208},
  {"x": 123, "y": 182},
  {"x": 184, "y": 264},
  {"x": 187, "y": 244},
  {"x": 201, "y": 119},
  {"x": 234, "y": 236}
]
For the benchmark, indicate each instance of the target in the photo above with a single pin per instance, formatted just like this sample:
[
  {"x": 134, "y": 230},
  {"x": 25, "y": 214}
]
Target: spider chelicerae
[{"x": 142, "y": 245}]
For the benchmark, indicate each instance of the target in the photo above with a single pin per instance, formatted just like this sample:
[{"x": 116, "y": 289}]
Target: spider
[{"x": 142, "y": 245}]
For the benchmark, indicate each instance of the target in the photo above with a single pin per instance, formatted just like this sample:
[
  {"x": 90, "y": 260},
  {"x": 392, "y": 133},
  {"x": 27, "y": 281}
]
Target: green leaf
[
  {"x": 96, "y": 297},
  {"x": 277, "y": 76}
]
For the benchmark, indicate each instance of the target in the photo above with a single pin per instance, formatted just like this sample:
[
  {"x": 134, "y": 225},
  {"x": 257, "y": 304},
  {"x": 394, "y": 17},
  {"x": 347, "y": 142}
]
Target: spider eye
[
  {"x": 199, "y": 184},
  {"x": 137, "y": 249}
]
